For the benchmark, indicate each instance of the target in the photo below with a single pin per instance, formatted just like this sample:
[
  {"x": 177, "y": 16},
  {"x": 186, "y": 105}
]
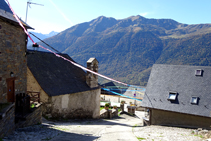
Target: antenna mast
[{"x": 28, "y": 5}]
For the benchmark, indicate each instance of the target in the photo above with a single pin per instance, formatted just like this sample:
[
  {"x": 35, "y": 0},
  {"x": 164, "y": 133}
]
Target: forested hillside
[{"x": 126, "y": 49}]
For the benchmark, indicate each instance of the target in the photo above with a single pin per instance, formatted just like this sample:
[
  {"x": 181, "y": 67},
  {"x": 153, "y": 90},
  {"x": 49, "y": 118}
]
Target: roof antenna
[{"x": 28, "y": 5}]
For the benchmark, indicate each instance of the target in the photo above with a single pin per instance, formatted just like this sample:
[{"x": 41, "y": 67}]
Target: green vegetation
[
  {"x": 127, "y": 49},
  {"x": 140, "y": 138},
  {"x": 107, "y": 105},
  {"x": 32, "y": 105},
  {"x": 104, "y": 108},
  {"x": 199, "y": 136}
]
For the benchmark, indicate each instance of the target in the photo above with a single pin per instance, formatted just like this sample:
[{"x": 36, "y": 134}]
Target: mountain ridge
[{"x": 127, "y": 48}]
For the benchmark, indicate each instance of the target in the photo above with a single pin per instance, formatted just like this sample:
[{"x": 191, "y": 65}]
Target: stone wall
[
  {"x": 12, "y": 57},
  {"x": 159, "y": 117},
  {"x": 32, "y": 118},
  {"x": 7, "y": 121},
  {"x": 79, "y": 105},
  {"x": 92, "y": 79},
  {"x": 108, "y": 113},
  {"x": 33, "y": 85}
]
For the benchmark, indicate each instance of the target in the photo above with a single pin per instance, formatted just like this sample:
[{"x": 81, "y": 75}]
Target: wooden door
[{"x": 10, "y": 90}]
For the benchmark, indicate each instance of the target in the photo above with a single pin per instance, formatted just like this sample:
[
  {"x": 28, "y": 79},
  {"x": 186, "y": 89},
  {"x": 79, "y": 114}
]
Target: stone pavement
[
  {"x": 118, "y": 129},
  {"x": 123, "y": 128}
]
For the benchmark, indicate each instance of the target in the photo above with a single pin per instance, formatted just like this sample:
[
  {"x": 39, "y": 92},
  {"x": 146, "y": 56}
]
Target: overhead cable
[
  {"x": 44, "y": 42},
  {"x": 21, "y": 24}
]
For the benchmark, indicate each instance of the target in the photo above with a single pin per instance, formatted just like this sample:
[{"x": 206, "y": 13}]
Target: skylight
[
  {"x": 194, "y": 100},
  {"x": 198, "y": 72},
  {"x": 172, "y": 96}
]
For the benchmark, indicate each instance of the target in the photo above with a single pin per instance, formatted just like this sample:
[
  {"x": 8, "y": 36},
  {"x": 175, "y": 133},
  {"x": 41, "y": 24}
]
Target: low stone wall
[
  {"x": 103, "y": 113},
  {"x": 118, "y": 99},
  {"x": 31, "y": 119},
  {"x": 114, "y": 112},
  {"x": 131, "y": 109},
  {"x": 108, "y": 113},
  {"x": 7, "y": 121}
]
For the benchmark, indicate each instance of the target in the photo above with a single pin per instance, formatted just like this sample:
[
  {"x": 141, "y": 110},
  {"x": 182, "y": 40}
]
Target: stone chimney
[{"x": 92, "y": 79}]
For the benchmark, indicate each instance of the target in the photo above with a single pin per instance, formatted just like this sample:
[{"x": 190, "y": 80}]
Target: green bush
[{"x": 107, "y": 105}]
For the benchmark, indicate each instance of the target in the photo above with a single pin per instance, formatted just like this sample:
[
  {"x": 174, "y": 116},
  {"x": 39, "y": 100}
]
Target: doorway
[{"x": 11, "y": 89}]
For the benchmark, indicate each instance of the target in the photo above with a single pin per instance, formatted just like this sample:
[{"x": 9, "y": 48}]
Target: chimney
[{"x": 92, "y": 79}]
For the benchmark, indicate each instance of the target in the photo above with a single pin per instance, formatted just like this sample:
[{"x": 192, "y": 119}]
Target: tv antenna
[{"x": 28, "y": 5}]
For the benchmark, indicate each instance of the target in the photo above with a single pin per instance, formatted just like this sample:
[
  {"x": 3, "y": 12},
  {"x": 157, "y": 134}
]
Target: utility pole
[{"x": 28, "y": 5}]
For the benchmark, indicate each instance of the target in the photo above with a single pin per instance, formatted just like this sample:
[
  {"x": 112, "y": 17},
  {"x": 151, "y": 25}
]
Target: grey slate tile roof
[
  {"x": 6, "y": 14},
  {"x": 180, "y": 79},
  {"x": 55, "y": 75}
]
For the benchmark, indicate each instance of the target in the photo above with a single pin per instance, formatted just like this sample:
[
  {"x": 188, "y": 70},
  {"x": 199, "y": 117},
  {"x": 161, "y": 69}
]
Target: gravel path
[
  {"x": 162, "y": 133},
  {"x": 124, "y": 128}
]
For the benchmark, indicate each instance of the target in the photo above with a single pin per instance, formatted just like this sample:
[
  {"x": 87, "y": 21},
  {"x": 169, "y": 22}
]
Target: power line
[{"x": 44, "y": 42}]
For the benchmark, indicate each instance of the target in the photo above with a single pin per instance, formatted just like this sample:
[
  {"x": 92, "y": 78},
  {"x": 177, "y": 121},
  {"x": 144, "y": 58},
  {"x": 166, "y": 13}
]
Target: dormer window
[
  {"x": 172, "y": 96},
  {"x": 198, "y": 72},
  {"x": 194, "y": 100}
]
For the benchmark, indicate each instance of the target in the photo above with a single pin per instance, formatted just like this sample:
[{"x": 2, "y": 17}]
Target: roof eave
[
  {"x": 176, "y": 112},
  {"x": 15, "y": 22}
]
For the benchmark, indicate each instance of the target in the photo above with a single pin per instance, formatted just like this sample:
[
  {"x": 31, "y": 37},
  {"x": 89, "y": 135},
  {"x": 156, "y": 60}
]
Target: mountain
[
  {"x": 126, "y": 49},
  {"x": 41, "y": 36}
]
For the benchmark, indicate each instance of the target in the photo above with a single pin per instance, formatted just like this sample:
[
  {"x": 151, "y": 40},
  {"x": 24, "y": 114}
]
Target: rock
[
  {"x": 207, "y": 136},
  {"x": 203, "y": 132},
  {"x": 195, "y": 132},
  {"x": 199, "y": 129}
]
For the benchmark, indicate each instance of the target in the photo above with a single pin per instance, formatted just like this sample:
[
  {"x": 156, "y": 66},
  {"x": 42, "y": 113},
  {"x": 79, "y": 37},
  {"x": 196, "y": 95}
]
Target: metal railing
[{"x": 35, "y": 96}]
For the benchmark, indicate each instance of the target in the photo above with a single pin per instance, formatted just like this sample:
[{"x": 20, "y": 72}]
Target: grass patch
[
  {"x": 140, "y": 138},
  {"x": 199, "y": 136}
]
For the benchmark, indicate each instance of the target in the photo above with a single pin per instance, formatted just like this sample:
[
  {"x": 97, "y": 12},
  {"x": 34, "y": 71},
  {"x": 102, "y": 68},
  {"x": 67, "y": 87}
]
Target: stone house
[
  {"x": 66, "y": 91},
  {"x": 179, "y": 95},
  {"x": 13, "y": 67}
]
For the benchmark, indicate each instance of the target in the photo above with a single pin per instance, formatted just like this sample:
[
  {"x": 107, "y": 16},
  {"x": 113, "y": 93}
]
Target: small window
[
  {"x": 198, "y": 72},
  {"x": 194, "y": 100},
  {"x": 172, "y": 96}
]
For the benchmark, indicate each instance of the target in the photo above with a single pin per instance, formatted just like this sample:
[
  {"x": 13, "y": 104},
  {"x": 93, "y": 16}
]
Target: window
[
  {"x": 194, "y": 100},
  {"x": 198, "y": 72},
  {"x": 172, "y": 96}
]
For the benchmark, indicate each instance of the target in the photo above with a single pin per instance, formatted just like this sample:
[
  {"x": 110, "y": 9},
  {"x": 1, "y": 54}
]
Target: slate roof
[
  {"x": 55, "y": 75},
  {"x": 6, "y": 14},
  {"x": 114, "y": 86},
  {"x": 180, "y": 79}
]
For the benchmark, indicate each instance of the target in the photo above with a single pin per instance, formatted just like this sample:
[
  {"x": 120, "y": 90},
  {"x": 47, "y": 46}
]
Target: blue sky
[{"x": 58, "y": 15}]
